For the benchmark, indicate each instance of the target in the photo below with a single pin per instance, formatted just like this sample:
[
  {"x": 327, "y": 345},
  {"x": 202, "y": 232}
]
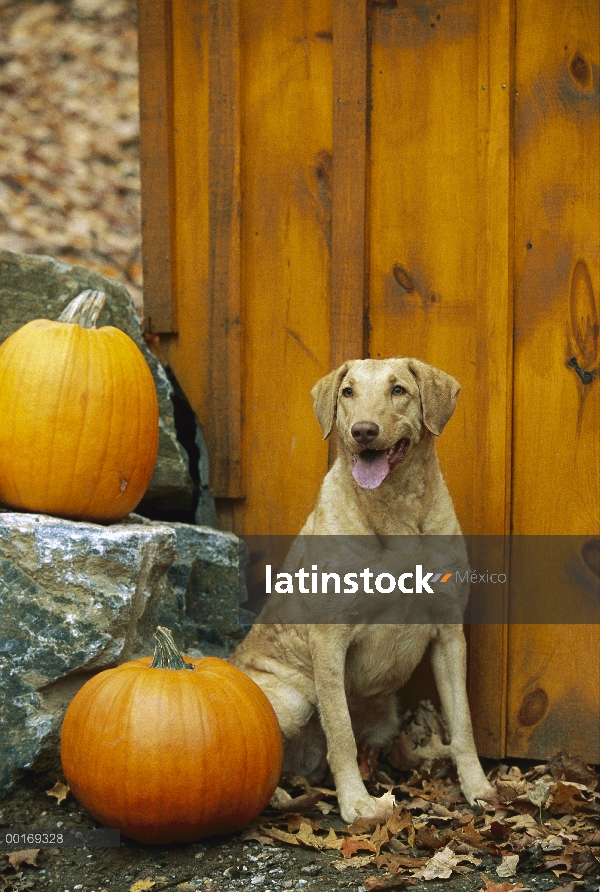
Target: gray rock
[
  {"x": 34, "y": 287},
  {"x": 207, "y": 586},
  {"x": 71, "y": 599},
  {"x": 76, "y": 598}
]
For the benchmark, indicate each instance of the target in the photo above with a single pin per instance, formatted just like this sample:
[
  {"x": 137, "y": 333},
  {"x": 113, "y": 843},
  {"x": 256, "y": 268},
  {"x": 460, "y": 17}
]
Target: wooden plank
[
  {"x": 424, "y": 228},
  {"x": 440, "y": 257},
  {"x": 554, "y": 679},
  {"x": 286, "y": 237},
  {"x": 348, "y": 253},
  {"x": 490, "y": 505},
  {"x": 188, "y": 352},
  {"x": 156, "y": 163},
  {"x": 224, "y": 421}
]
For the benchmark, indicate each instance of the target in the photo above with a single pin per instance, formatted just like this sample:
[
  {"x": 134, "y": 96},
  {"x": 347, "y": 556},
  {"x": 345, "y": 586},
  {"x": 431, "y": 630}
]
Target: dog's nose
[{"x": 364, "y": 432}]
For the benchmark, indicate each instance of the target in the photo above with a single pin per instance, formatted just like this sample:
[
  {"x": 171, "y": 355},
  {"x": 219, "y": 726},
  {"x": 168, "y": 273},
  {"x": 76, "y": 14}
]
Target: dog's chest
[{"x": 381, "y": 658}]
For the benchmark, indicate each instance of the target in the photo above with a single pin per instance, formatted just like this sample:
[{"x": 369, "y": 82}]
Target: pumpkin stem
[
  {"x": 166, "y": 655},
  {"x": 84, "y": 309}
]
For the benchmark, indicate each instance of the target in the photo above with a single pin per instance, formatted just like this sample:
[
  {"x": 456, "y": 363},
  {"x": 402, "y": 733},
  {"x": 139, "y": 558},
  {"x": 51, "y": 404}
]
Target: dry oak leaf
[
  {"x": 400, "y": 820},
  {"x": 428, "y": 839},
  {"x": 470, "y": 836},
  {"x": 307, "y": 837},
  {"x": 572, "y": 768},
  {"x": 444, "y": 863},
  {"x": 397, "y": 863},
  {"x": 508, "y": 866},
  {"x": 60, "y": 791},
  {"x": 26, "y": 856},
  {"x": 280, "y": 835},
  {"x": 566, "y": 798},
  {"x": 359, "y": 861},
  {"x": 506, "y": 791},
  {"x": 384, "y": 807},
  {"x": 254, "y": 833},
  {"x": 491, "y": 886},
  {"x": 355, "y": 844}
]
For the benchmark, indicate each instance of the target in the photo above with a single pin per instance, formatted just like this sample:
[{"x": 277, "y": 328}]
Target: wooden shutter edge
[
  {"x": 224, "y": 428},
  {"x": 156, "y": 163}
]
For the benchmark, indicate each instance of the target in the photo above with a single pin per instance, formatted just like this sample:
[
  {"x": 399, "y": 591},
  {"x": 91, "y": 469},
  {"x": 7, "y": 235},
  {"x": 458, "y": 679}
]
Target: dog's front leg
[
  {"x": 449, "y": 661},
  {"x": 328, "y": 653}
]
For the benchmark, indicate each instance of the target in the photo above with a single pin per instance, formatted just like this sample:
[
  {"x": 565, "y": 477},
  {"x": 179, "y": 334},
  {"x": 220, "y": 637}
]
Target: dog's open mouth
[{"x": 372, "y": 466}]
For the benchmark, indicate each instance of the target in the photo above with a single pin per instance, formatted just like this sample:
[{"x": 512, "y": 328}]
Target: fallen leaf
[
  {"x": 280, "y": 798},
  {"x": 384, "y": 807},
  {"x": 379, "y": 837},
  {"x": 566, "y": 798},
  {"x": 572, "y": 768},
  {"x": 400, "y": 820},
  {"x": 60, "y": 791},
  {"x": 26, "y": 856},
  {"x": 444, "y": 863},
  {"x": 506, "y": 791},
  {"x": 491, "y": 886},
  {"x": 308, "y": 838},
  {"x": 394, "y": 863},
  {"x": 470, "y": 836},
  {"x": 254, "y": 833},
  {"x": 355, "y": 844},
  {"x": 508, "y": 866},
  {"x": 331, "y": 841},
  {"x": 429, "y": 839},
  {"x": 280, "y": 835},
  {"x": 570, "y": 887},
  {"x": 141, "y": 885},
  {"x": 303, "y": 803},
  {"x": 584, "y": 863},
  {"x": 359, "y": 861}
]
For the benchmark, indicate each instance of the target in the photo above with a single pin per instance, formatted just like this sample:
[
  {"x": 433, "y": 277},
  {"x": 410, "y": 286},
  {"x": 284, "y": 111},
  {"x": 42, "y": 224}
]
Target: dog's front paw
[
  {"x": 481, "y": 791},
  {"x": 363, "y": 806}
]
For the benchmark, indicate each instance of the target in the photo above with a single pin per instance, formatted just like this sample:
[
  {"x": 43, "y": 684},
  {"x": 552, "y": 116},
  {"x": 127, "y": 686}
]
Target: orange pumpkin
[
  {"x": 173, "y": 749},
  {"x": 79, "y": 431}
]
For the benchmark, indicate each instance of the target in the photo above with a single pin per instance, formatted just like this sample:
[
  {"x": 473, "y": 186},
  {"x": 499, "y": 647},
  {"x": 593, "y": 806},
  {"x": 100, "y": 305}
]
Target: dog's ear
[
  {"x": 325, "y": 394},
  {"x": 438, "y": 394}
]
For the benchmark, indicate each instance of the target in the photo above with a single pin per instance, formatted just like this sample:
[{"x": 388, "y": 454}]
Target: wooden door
[{"x": 340, "y": 178}]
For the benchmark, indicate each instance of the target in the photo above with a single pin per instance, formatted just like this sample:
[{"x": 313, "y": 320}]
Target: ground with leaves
[
  {"x": 69, "y": 134},
  {"x": 541, "y": 832}
]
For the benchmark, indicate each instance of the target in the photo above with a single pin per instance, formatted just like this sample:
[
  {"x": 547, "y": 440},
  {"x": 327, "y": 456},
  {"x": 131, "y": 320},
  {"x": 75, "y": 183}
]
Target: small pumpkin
[
  {"x": 172, "y": 749},
  {"x": 79, "y": 431}
]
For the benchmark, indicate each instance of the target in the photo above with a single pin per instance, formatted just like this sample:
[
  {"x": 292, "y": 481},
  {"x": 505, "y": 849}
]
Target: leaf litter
[
  {"x": 69, "y": 134},
  {"x": 545, "y": 818}
]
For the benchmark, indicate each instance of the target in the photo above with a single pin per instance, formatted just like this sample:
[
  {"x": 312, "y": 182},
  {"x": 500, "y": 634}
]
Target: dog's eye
[
  {"x": 398, "y": 389},
  {"x": 347, "y": 391}
]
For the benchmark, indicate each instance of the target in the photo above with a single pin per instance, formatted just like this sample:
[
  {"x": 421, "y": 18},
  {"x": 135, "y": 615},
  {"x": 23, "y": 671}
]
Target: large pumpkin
[
  {"x": 172, "y": 750},
  {"x": 79, "y": 417}
]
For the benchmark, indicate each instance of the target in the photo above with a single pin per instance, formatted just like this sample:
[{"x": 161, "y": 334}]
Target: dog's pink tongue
[{"x": 370, "y": 468}]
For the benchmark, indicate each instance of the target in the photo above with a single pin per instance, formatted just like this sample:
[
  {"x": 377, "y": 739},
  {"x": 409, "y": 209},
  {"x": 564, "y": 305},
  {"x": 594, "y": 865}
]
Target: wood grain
[
  {"x": 224, "y": 422},
  {"x": 286, "y": 238},
  {"x": 554, "y": 671},
  {"x": 491, "y": 492},
  {"x": 446, "y": 207},
  {"x": 156, "y": 162},
  {"x": 348, "y": 251}
]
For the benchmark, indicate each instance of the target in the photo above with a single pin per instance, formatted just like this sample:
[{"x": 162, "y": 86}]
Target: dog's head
[{"x": 381, "y": 408}]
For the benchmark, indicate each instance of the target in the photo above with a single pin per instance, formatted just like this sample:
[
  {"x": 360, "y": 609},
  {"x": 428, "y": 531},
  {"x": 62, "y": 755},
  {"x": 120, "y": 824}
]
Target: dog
[{"x": 332, "y": 684}]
